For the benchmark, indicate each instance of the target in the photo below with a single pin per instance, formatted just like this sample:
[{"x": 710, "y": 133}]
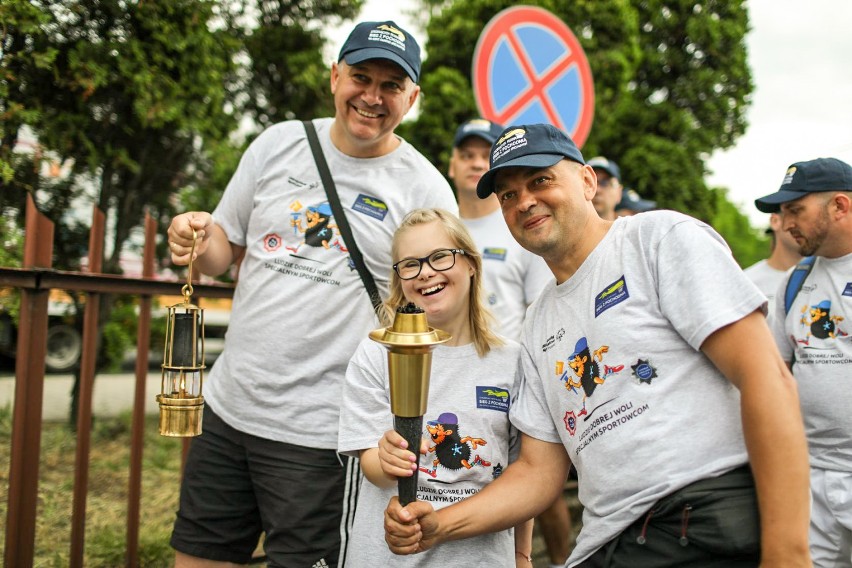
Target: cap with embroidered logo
[
  {"x": 382, "y": 40},
  {"x": 528, "y": 145},
  {"x": 479, "y": 127},
  {"x": 802, "y": 178}
]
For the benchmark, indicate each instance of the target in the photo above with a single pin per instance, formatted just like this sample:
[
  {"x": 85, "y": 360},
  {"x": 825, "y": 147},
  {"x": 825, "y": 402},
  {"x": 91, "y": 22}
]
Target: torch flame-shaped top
[{"x": 409, "y": 328}]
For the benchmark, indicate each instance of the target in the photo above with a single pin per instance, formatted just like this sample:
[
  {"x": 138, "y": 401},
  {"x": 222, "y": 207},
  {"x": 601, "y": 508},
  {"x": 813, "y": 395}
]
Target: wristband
[{"x": 526, "y": 557}]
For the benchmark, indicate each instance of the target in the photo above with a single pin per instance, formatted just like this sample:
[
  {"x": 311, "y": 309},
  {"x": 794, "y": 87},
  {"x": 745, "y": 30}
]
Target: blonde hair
[{"x": 481, "y": 319}]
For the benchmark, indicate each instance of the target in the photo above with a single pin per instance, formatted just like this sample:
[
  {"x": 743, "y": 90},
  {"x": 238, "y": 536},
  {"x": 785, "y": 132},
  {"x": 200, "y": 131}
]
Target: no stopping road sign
[{"x": 528, "y": 67}]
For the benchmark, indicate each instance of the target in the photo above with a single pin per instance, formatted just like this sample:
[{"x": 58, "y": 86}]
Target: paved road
[{"x": 112, "y": 395}]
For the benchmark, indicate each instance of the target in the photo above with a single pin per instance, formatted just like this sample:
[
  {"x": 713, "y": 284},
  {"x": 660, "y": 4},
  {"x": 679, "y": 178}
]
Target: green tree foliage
[
  {"x": 747, "y": 243},
  {"x": 129, "y": 94},
  {"x": 671, "y": 85},
  {"x": 289, "y": 77}
]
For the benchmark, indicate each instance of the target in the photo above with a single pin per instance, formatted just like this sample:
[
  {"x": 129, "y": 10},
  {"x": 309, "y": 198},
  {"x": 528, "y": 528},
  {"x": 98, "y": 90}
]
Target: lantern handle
[{"x": 187, "y": 289}]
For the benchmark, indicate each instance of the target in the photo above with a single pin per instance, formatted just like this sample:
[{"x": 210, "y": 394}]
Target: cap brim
[
  {"x": 473, "y": 134},
  {"x": 362, "y": 55},
  {"x": 606, "y": 169},
  {"x": 485, "y": 187},
  {"x": 639, "y": 206},
  {"x": 772, "y": 203}
]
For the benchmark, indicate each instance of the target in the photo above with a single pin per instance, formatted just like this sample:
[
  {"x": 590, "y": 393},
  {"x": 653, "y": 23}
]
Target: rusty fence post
[
  {"x": 84, "y": 401},
  {"x": 29, "y": 395},
  {"x": 137, "y": 431}
]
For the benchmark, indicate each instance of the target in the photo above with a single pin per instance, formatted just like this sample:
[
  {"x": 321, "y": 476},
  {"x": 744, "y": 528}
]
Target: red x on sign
[{"x": 528, "y": 67}]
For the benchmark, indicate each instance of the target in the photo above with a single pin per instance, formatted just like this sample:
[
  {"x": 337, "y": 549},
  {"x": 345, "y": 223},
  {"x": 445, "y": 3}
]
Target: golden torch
[
  {"x": 180, "y": 399},
  {"x": 409, "y": 342}
]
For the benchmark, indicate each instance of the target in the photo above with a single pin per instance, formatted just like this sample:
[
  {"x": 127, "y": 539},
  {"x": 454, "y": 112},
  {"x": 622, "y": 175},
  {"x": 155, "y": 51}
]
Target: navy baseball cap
[
  {"x": 527, "y": 146},
  {"x": 802, "y": 178},
  {"x": 607, "y": 165},
  {"x": 479, "y": 127},
  {"x": 382, "y": 40},
  {"x": 631, "y": 200}
]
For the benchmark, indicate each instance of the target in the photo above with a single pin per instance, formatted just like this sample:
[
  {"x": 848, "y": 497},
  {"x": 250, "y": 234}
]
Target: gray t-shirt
[
  {"x": 613, "y": 371},
  {"x": 766, "y": 279},
  {"x": 818, "y": 331},
  {"x": 300, "y": 308},
  {"x": 512, "y": 276},
  {"x": 466, "y": 419}
]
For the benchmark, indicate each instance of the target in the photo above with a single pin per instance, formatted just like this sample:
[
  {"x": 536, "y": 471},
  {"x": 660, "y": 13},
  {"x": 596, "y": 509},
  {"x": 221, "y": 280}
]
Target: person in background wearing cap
[
  {"x": 631, "y": 204},
  {"x": 630, "y": 360},
  {"x": 267, "y": 459},
  {"x": 815, "y": 339},
  {"x": 512, "y": 276},
  {"x": 609, "y": 187},
  {"x": 769, "y": 272}
]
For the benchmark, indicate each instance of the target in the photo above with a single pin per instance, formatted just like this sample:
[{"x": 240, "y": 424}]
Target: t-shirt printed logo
[
  {"x": 611, "y": 296},
  {"x": 492, "y": 398},
  {"x": 495, "y": 253},
  {"x": 375, "y": 208},
  {"x": 570, "y": 420},
  {"x": 272, "y": 242},
  {"x": 644, "y": 371},
  {"x": 848, "y": 290}
]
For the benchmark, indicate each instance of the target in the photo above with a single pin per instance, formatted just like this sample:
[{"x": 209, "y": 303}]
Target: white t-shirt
[
  {"x": 766, "y": 279},
  {"x": 300, "y": 309},
  {"x": 512, "y": 276},
  {"x": 469, "y": 397},
  {"x": 613, "y": 371},
  {"x": 818, "y": 332}
]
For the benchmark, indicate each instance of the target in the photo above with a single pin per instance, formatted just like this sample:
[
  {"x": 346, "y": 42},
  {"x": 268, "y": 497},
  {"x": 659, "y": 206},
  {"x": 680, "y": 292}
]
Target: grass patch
[{"x": 106, "y": 504}]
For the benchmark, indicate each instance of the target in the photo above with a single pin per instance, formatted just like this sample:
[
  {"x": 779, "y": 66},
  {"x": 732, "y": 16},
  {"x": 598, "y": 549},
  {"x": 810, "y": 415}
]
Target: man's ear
[
  {"x": 842, "y": 202},
  {"x": 590, "y": 182},
  {"x": 412, "y": 97},
  {"x": 335, "y": 75}
]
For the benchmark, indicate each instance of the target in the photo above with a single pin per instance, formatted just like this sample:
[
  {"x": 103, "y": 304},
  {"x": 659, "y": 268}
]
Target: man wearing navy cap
[
  {"x": 512, "y": 277},
  {"x": 267, "y": 459},
  {"x": 631, "y": 204},
  {"x": 812, "y": 329},
  {"x": 609, "y": 190},
  {"x": 650, "y": 367}
]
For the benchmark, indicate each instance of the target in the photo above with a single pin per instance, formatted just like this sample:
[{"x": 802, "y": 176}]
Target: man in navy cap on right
[
  {"x": 648, "y": 364},
  {"x": 812, "y": 326}
]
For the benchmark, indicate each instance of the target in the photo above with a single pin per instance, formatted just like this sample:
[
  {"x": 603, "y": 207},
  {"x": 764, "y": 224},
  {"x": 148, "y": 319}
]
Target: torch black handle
[{"x": 411, "y": 429}]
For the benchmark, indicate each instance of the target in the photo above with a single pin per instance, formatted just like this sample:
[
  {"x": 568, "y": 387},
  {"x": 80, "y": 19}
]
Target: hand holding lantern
[{"x": 180, "y": 399}]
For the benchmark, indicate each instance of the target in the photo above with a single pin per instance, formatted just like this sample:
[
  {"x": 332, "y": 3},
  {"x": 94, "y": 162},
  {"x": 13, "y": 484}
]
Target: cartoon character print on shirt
[
  {"x": 583, "y": 364},
  {"x": 451, "y": 450},
  {"x": 819, "y": 323},
  {"x": 318, "y": 229}
]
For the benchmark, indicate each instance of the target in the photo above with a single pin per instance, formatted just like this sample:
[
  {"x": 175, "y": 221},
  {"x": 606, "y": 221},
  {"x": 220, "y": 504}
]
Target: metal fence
[{"x": 35, "y": 280}]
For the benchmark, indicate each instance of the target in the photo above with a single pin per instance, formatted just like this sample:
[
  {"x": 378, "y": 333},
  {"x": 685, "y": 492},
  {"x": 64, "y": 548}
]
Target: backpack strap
[{"x": 796, "y": 280}]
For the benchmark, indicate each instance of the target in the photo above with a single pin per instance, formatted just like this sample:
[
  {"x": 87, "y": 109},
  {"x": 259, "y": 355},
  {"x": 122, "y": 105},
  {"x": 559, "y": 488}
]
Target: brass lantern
[
  {"x": 410, "y": 342},
  {"x": 180, "y": 398}
]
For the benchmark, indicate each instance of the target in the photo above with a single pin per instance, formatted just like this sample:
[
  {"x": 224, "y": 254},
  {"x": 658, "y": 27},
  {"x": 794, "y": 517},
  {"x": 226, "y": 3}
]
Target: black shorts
[
  {"x": 237, "y": 486},
  {"x": 712, "y": 523}
]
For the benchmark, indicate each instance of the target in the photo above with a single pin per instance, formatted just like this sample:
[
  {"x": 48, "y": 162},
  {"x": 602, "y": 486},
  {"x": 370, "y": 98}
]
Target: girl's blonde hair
[{"x": 481, "y": 319}]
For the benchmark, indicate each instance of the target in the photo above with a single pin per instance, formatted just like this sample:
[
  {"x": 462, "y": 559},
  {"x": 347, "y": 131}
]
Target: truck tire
[{"x": 64, "y": 348}]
